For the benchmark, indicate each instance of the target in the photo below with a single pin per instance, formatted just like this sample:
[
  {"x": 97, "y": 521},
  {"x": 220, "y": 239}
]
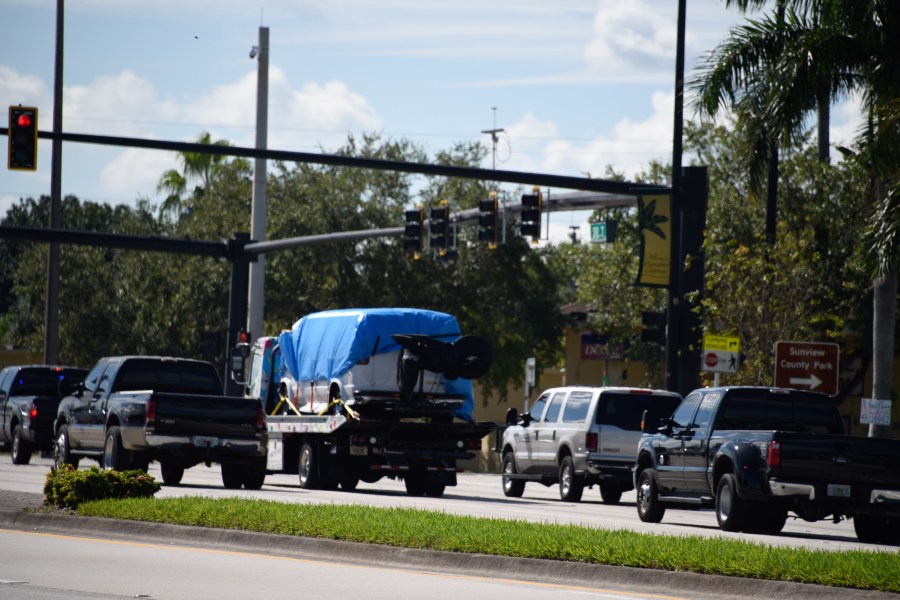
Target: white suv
[{"x": 578, "y": 436}]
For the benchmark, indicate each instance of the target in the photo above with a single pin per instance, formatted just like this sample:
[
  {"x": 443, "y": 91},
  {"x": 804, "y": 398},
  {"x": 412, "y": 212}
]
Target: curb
[{"x": 646, "y": 581}]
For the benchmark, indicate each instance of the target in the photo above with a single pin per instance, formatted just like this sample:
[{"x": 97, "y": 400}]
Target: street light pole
[{"x": 256, "y": 295}]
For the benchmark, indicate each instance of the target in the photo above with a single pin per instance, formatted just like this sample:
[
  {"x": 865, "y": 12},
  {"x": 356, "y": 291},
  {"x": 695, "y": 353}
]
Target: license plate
[
  {"x": 206, "y": 441},
  {"x": 839, "y": 490},
  {"x": 358, "y": 450}
]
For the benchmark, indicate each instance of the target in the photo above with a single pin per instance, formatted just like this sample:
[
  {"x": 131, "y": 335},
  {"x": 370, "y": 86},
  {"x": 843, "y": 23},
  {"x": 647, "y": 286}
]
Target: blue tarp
[{"x": 325, "y": 345}]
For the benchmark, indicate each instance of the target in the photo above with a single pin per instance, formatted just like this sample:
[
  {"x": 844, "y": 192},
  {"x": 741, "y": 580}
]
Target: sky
[{"x": 575, "y": 85}]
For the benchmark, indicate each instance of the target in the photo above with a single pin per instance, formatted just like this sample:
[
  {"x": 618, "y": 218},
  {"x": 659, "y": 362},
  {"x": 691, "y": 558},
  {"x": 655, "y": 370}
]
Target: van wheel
[
  {"x": 649, "y": 508},
  {"x": 731, "y": 509},
  {"x": 308, "y": 469},
  {"x": 571, "y": 486},
  {"x": 21, "y": 448},
  {"x": 512, "y": 488}
]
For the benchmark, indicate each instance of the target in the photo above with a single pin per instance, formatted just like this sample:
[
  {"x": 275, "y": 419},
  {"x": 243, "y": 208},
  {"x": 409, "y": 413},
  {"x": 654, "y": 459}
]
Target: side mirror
[
  {"x": 512, "y": 416},
  {"x": 239, "y": 356}
]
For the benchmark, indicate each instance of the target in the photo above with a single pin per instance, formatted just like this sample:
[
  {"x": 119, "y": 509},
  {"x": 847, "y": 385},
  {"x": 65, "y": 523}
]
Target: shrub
[{"x": 67, "y": 487}]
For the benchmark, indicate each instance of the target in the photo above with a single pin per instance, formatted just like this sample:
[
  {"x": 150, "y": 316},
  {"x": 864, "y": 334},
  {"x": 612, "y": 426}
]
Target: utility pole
[
  {"x": 51, "y": 315},
  {"x": 256, "y": 297},
  {"x": 493, "y": 133}
]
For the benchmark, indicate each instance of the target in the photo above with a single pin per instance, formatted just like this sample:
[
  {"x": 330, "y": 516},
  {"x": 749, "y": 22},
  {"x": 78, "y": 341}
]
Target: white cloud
[{"x": 135, "y": 173}]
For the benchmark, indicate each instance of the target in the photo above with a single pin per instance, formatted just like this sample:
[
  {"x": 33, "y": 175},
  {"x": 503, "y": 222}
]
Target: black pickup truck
[
  {"x": 29, "y": 397},
  {"x": 757, "y": 453},
  {"x": 131, "y": 410}
]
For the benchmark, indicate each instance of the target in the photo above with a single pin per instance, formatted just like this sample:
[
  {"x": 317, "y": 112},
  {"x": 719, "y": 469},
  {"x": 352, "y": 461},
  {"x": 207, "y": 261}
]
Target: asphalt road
[
  {"x": 478, "y": 495},
  {"x": 28, "y": 543}
]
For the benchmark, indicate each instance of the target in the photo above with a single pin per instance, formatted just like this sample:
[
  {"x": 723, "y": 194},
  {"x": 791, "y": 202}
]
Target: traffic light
[
  {"x": 487, "y": 220},
  {"x": 654, "y": 330},
  {"x": 531, "y": 215},
  {"x": 439, "y": 226},
  {"x": 412, "y": 234},
  {"x": 23, "y": 136}
]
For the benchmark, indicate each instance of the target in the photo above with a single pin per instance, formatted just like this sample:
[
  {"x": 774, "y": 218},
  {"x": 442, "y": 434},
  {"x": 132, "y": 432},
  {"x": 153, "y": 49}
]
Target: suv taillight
[
  {"x": 33, "y": 411},
  {"x": 774, "y": 457},
  {"x": 591, "y": 441}
]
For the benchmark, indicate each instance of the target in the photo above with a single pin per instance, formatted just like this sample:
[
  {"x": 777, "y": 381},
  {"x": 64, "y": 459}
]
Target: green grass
[{"x": 440, "y": 531}]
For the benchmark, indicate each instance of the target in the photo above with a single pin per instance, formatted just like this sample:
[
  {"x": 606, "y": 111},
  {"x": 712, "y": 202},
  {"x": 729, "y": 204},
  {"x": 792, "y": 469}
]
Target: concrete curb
[{"x": 471, "y": 565}]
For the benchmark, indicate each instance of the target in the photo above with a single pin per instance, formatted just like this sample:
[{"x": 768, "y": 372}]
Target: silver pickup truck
[{"x": 579, "y": 436}]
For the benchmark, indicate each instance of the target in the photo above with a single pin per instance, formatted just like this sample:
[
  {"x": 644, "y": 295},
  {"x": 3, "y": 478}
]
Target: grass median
[{"x": 877, "y": 570}]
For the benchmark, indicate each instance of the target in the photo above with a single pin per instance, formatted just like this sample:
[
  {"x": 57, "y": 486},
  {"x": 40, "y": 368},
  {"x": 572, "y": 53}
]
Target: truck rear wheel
[
  {"x": 21, "y": 449},
  {"x": 611, "y": 494},
  {"x": 731, "y": 509},
  {"x": 571, "y": 486},
  {"x": 415, "y": 485},
  {"x": 871, "y": 529},
  {"x": 115, "y": 457},
  {"x": 650, "y": 509},
  {"x": 62, "y": 450},
  {"x": 434, "y": 489},
  {"x": 232, "y": 476},
  {"x": 255, "y": 474},
  {"x": 308, "y": 467},
  {"x": 171, "y": 472},
  {"x": 512, "y": 488}
]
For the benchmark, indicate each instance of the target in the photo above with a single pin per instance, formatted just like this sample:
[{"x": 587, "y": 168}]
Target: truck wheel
[
  {"x": 255, "y": 474},
  {"x": 434, "y": 489},
  {"x": 308, "y": 469},
  {"x": 171, "y": 472},
  {"x": 140, "y": 460},
  {"x": 232, "y": 476},
  {"x": 649, "y": 508},
  {"x": 115, "y": 456},
  {"x": 871, "y": 529},
  {"x": 415, "y": 485},
  {"x": 731, "y": 509},
  {"x": 21, "y": 448},
  {"x": 62, "y": 451},
  {"x": 611, "y": 494},
  {"x": 571, "y": 486},
  {"x": 765, "y": 517},
  {"x": 349, "y": 482},
  {"x": 512, "y": 488}
]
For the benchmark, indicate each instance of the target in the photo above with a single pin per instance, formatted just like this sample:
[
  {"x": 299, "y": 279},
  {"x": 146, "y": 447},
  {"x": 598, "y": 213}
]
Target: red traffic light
[
  {"x": 24, "y": 120},
  {"x": 22, "y": 138}
]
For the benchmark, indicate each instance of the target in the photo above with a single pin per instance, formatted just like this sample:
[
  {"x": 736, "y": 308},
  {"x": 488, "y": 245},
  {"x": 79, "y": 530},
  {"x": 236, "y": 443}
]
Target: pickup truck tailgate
[
  {"x": 194, "y": 414},
  {"x": 839, "y": 459}
]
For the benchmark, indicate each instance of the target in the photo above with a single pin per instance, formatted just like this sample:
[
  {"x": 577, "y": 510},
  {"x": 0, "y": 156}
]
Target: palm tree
[
  {"x": 198, "y": 166},
  {"x": 823, "y": 49}
]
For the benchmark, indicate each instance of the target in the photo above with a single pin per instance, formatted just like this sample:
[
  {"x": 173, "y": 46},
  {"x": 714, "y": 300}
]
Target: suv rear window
[
  {"x": 577, "y": 407},
  {"x": 625, "y": 410}
]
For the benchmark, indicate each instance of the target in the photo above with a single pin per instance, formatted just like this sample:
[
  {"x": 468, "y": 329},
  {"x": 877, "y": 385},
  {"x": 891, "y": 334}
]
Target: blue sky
[{"x": 575, "y": 84}]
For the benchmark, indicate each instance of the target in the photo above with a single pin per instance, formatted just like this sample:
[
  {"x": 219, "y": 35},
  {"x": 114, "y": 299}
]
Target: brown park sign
[{"x": 807, "y": 366}]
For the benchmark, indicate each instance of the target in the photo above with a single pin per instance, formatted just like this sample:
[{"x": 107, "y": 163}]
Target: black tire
[
  {"x": 872, "y": 529},
  {"x": 571, "y": 486},
  {"x": 649, "y": 508},
  {"x": 349, "y": 482},
  {"x": 255, "y": 474},
  {"x": 512, "y": 488},
  {"x": 435, "y": 489},
  {"x": 62, "y": 449},
  {"x": 140, "y": 460},
  {"x": 115, "y": 457},
  {"x": 308, "y": 469},
  {"x": 171, "y": 472},
  {"x": 732, "y": 511},
  {"x": 232, "y": 476},
  {"x": 415, "y": 485},
  {"x": 611, "y": 494},
  {"x": 20, "y": 449},
  {"x": 765, "y": 517}
]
